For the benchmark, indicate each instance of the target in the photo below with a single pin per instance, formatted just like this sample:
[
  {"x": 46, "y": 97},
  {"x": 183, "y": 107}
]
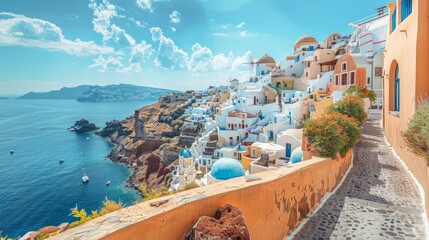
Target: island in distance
[{"x": 109, "y": 93}]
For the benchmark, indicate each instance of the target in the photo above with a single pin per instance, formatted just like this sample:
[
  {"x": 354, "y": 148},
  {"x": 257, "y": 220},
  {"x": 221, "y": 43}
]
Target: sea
[{"x": 35, "y": 189}]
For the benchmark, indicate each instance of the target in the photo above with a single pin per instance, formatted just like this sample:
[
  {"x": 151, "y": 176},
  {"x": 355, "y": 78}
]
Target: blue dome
[
  {"x": 185, "y": 153},
  {"x": 227, "y": 168},
  {"x": 296, "y": 156}
]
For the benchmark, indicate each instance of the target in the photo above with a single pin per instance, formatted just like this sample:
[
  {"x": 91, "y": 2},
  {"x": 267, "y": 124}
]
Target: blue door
[
  {"x": 271, "y": 135},
  {"x": 288, "y": 150}
]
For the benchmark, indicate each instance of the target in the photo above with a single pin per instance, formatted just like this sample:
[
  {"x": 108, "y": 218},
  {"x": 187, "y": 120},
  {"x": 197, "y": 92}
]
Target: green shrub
[
  {"x": 350, "y": 130},
  {"x": 83, "y": 217},
  {"x": 417, "y": 133},
  {"x": 362, "y": 92},
  {"x": 325, "y": 137},
  {"x": 351, "y": 106},
  {"x": 4, "y": 237},
  {"x": 149, "y": 194}
]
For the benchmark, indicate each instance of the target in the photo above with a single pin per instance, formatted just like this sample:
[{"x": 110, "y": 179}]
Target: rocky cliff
[{"x": 151, "y": 154}]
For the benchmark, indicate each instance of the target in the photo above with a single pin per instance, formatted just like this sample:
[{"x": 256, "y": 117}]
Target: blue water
[{"x": 35, "y": 190}]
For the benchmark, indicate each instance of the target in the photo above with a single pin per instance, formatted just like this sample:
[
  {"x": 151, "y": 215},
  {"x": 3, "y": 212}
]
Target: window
[
  {"x": 378, "y": 71},
  {"x": 352, "y": 78},
  {"x": 368, "y": 81},
  {"x": 238, "y": 138},
  {"x": 394, "y": 20},
  {"x": 344, "y": 79},
  {"x": 285, "y": 85},
  {"x": 406, "y": 9},
  {"x": 344, "y": 66},
  {"x": 337, "y": 80},
  {"x": 397, "y": 89},
  {"x": 306, "y": 74}
]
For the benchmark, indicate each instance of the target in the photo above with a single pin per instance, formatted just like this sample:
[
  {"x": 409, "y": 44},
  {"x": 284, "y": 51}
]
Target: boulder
[
  {"x": 30, "y": 236},
  {"x": 49, "y": 229},
  {"x": 64, "y": 226},
  {"x": 228, "y": 223}
]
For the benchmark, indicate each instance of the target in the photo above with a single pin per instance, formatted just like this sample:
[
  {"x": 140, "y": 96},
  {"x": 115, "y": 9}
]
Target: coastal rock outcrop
[
  {"x": 228, "y": 223},
  {"x": 83, "y": 125},
  {"x": 114, "y": 127}
]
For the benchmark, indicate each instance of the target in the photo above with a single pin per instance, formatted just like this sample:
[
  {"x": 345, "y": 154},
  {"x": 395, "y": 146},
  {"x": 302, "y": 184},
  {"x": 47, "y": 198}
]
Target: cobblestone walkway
[{"x": 378, "y": 199}]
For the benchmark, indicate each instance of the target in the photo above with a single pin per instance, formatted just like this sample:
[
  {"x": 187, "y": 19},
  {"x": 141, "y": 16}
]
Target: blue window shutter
[
  {"x": 394, "y": 20},
  {"x": 406, "y": 8}
]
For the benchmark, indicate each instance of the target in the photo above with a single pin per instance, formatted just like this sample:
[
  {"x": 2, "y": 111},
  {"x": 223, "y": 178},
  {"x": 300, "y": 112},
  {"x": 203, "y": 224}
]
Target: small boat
[
  {"x": 85, "y": 178},
  {"x": 61, "y": 161},
  {"x": 108, "y": 183},
  {"x": 12, "y": 152},
  {"x": 87, "y": 139}
]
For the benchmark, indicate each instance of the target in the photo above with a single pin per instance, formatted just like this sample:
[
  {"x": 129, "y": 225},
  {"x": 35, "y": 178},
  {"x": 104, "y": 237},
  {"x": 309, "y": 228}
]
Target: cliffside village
[{"x": 254, "y": 125}]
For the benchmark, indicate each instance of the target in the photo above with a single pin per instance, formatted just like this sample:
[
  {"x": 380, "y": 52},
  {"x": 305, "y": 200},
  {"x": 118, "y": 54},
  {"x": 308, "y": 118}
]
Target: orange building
[
  {"x": 350, "y": 70},
  {"x": 406, "y": 77}
]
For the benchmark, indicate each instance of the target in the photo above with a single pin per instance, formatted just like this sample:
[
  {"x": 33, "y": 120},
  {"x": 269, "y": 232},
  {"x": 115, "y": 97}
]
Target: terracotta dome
[
  {"x": 266, "y": 59},
  {"x": 305, "y": 39}
]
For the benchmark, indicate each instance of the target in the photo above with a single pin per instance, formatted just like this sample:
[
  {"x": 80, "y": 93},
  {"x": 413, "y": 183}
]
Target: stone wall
[{"x": 272, "y": 206}]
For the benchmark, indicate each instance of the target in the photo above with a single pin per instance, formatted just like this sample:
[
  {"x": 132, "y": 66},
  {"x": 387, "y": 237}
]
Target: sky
[{"x": 174, "y": 44}]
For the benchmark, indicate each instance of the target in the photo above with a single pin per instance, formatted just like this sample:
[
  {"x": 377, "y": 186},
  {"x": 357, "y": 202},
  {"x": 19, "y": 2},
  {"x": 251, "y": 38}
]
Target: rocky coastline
[{"x": 149, "y": 141}]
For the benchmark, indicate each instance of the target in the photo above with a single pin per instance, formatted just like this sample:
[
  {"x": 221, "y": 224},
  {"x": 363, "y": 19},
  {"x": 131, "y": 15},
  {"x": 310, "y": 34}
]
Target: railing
[{"x": 381, "y": 12}]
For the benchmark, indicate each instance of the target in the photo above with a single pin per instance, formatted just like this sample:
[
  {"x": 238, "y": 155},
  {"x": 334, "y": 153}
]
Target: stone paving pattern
[{"x": 378, "y": 199}]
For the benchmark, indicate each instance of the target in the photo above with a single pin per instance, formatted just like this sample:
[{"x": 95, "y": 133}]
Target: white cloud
[
  {"x": 169, "y": 55},
  {"x": 203, "y": 60},
  {"x": 156, "y": 33},
  {"x": 120, "y": 37},
  {"x": 225, "y": 26},
  {"x": 107, "y": 64},
  {"x": 240, "y": 34},
  {"x": 173, "y": 29},
  {"x": 32, "y": 32},
  {"x": 145, "y": 5},
  {"x": 175, "y": 17},
  {"x": 240, "y": 25},
  {"x": 141, "y": 52},
  {"x": 103, "y": 14},
  {"x": 138, "y": 23}
]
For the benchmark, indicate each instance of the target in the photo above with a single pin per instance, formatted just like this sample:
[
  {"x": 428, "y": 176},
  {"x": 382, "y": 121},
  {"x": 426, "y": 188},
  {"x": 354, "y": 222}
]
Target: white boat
[
  {"x": 87, "y": 139},
  {"x": 85, "y": 178},
  {"x": 12, "y": 152},
  {"x": 108, "y": 183}
]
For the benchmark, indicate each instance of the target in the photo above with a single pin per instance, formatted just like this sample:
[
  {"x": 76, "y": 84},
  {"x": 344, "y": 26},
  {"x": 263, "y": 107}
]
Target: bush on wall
[
  {"x": 337, "y": 131},
  {"x": 351, "y": 106},
  {"x": 417, "y": 133}
]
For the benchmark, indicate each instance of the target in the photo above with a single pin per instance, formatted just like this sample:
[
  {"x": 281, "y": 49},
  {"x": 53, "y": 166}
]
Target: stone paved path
[{"x": 378, "y": 199}]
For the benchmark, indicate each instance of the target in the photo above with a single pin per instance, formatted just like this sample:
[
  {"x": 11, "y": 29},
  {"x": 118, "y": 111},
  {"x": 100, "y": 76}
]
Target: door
[{"x": 288, "y": 150}]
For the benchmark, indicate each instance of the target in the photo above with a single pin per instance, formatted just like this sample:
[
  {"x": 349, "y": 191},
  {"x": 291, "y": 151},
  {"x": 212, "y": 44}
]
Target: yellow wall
[
  {"x": 407, "y": 46},
  {"x": 271, "y": 209}
]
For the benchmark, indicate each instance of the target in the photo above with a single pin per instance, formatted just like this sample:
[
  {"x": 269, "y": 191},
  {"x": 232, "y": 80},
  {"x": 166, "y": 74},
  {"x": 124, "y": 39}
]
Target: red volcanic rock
[
  {"x": 153, "y": 162},
  {"x": 228, "y": 223},
  {"x": 49, "y": 229}
]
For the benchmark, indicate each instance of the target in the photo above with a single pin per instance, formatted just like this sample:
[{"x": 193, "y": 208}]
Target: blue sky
[{"x": 176, "y": 44}]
